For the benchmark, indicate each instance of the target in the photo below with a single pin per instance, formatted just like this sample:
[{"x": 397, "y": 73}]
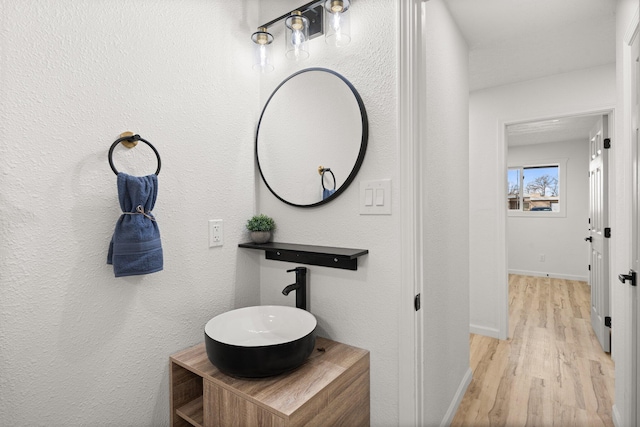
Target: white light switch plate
[{"x": 380, "y": 192}]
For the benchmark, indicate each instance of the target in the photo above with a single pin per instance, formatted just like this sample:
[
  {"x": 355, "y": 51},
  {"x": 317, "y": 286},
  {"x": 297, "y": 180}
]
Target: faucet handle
[{"x": 297, "y": 269}]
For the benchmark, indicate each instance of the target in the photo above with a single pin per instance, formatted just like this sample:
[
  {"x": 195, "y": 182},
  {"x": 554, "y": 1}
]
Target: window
[
  {"x": 513, "y": 189},
  {"x": 536, "y": 189}
]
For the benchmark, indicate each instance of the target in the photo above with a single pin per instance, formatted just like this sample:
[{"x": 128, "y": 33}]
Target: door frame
[
  {"x": 410, "y": 81},
  {"x": 630, "y": 37},
  {"x": 501, "y": 217}
]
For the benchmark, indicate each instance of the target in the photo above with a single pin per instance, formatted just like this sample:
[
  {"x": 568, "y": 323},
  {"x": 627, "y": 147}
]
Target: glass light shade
[
  {"x": 261, "y": 57},
  {"x": 337, "y": 28},
  {"x": 297, "y": 37}
]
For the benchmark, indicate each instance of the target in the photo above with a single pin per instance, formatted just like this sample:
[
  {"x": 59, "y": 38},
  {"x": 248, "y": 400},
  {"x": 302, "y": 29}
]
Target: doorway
[{"x": 552, "y": 206}]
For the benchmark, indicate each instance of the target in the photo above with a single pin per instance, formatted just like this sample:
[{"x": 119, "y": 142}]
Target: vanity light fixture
[
  {"x": 337, "y": 31},
  {"x": 301, "y": 25},
  {"x": 262, "y": 59}
]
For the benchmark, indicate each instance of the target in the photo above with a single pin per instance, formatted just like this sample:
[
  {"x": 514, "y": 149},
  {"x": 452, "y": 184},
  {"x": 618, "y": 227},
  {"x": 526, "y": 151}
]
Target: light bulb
[{"x": 335, "y": 24}]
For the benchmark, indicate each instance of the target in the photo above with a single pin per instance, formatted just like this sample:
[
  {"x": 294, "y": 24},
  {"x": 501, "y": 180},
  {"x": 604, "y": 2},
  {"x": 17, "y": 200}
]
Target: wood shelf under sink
[{"x": 192, "y": 412}]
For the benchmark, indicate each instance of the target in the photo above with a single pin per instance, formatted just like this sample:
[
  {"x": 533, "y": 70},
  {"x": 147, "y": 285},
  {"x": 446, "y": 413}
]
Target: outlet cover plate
[{"x": 215, "y": 233}]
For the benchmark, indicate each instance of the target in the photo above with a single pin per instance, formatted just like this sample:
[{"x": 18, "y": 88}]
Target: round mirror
[{"x": 311, "y": 137}]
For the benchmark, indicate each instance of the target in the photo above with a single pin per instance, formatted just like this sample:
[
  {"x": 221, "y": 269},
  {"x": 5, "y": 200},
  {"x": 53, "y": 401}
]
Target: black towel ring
[
  {"x": 322, "y": 177},
  {"x": 131, "y": 139}
]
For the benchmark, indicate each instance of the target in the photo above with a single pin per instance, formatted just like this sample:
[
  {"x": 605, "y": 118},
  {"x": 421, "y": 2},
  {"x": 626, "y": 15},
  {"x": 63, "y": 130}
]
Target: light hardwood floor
[{"x": 551, "y": 372}]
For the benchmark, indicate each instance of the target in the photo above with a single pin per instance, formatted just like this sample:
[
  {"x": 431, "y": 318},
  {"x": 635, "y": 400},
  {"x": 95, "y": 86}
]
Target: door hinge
[
  {"x": 589, "y": 222},
  {"x": 607, "y": 232},
  {"x": 607, "y": 143},
  {"x": 416, "y": 302},
  {"x": 589, "y": 267},
  {"x": 607, "y": 321}
]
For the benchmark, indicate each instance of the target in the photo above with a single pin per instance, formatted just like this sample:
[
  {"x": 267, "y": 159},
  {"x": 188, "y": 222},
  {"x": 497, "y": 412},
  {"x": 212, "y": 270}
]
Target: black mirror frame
[{"x": 363, "y": 142}]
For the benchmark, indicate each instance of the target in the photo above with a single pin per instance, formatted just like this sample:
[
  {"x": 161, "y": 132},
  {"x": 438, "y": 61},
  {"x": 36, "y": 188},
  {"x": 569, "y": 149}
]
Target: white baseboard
[
  {"x": 457, "y": 398},
  {"x": 616, "y": 416},
  {"x": 482, "y": 330},
  {"x": 553, "y": 275}
]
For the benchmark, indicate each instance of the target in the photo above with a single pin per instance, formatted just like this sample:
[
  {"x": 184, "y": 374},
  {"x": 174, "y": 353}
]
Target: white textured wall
[
  {"x": 581, "y": 91},
  {"x": 560, "y": 239},
  {"x": 445, "y": 231},
  {"x": 80, "y": 347},
  {"x": 359, "y": 307}
]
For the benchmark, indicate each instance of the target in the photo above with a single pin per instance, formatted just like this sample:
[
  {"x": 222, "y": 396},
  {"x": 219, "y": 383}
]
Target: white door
[{"x": 598, "y": 233}]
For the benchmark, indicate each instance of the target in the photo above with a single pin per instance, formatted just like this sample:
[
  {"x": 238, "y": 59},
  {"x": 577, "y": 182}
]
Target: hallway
[{"x": 551, "y": 371}]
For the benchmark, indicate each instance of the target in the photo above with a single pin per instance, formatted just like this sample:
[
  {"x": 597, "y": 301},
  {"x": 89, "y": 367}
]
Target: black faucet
[{"x": 300, "y": 287}]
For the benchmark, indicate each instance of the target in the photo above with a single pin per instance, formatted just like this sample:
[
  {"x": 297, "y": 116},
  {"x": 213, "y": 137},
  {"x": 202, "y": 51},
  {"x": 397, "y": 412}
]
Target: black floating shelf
[{"x": 325, "y": 256}]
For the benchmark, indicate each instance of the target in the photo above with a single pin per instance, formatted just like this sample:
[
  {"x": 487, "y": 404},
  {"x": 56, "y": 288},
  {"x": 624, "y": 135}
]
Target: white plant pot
[{"x": 260, "y": 236}]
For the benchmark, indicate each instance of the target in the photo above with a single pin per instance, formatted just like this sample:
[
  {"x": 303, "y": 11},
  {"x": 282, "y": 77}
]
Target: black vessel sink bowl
[{"x": 260, "y": 341}]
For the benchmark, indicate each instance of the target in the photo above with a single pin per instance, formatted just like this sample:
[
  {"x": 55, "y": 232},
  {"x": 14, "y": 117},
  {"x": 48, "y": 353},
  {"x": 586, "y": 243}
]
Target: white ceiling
[
  {"x": 517, "y": 40},
  {"x": 547, "y": 131}
]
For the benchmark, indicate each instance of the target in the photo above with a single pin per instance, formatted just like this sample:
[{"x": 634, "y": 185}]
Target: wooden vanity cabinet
[{"x": 330, "y": 389}]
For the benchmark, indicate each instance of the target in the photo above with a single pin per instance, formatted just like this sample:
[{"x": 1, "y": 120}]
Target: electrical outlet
[
  {"x": 215, "y": 233},
  {"x": 541, "y": 257}
]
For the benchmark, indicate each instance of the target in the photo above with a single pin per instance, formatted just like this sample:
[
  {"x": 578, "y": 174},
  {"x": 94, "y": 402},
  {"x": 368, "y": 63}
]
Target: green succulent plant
[{"x": 261, "y": 223}]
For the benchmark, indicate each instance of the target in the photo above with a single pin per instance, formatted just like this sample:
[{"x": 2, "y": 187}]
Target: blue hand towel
[
  {"x": 326, "y": 193},
  {"x": 135, "y": 247}
]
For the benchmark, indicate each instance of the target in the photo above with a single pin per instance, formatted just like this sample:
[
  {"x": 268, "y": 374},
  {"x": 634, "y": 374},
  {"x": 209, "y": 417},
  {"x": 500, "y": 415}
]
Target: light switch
[
  {"x": 368, "y": 197},
  {"x": 375, "y": 197}
]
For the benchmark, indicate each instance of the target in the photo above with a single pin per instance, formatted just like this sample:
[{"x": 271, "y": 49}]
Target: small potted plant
[{"x": 260, "y": 227}]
